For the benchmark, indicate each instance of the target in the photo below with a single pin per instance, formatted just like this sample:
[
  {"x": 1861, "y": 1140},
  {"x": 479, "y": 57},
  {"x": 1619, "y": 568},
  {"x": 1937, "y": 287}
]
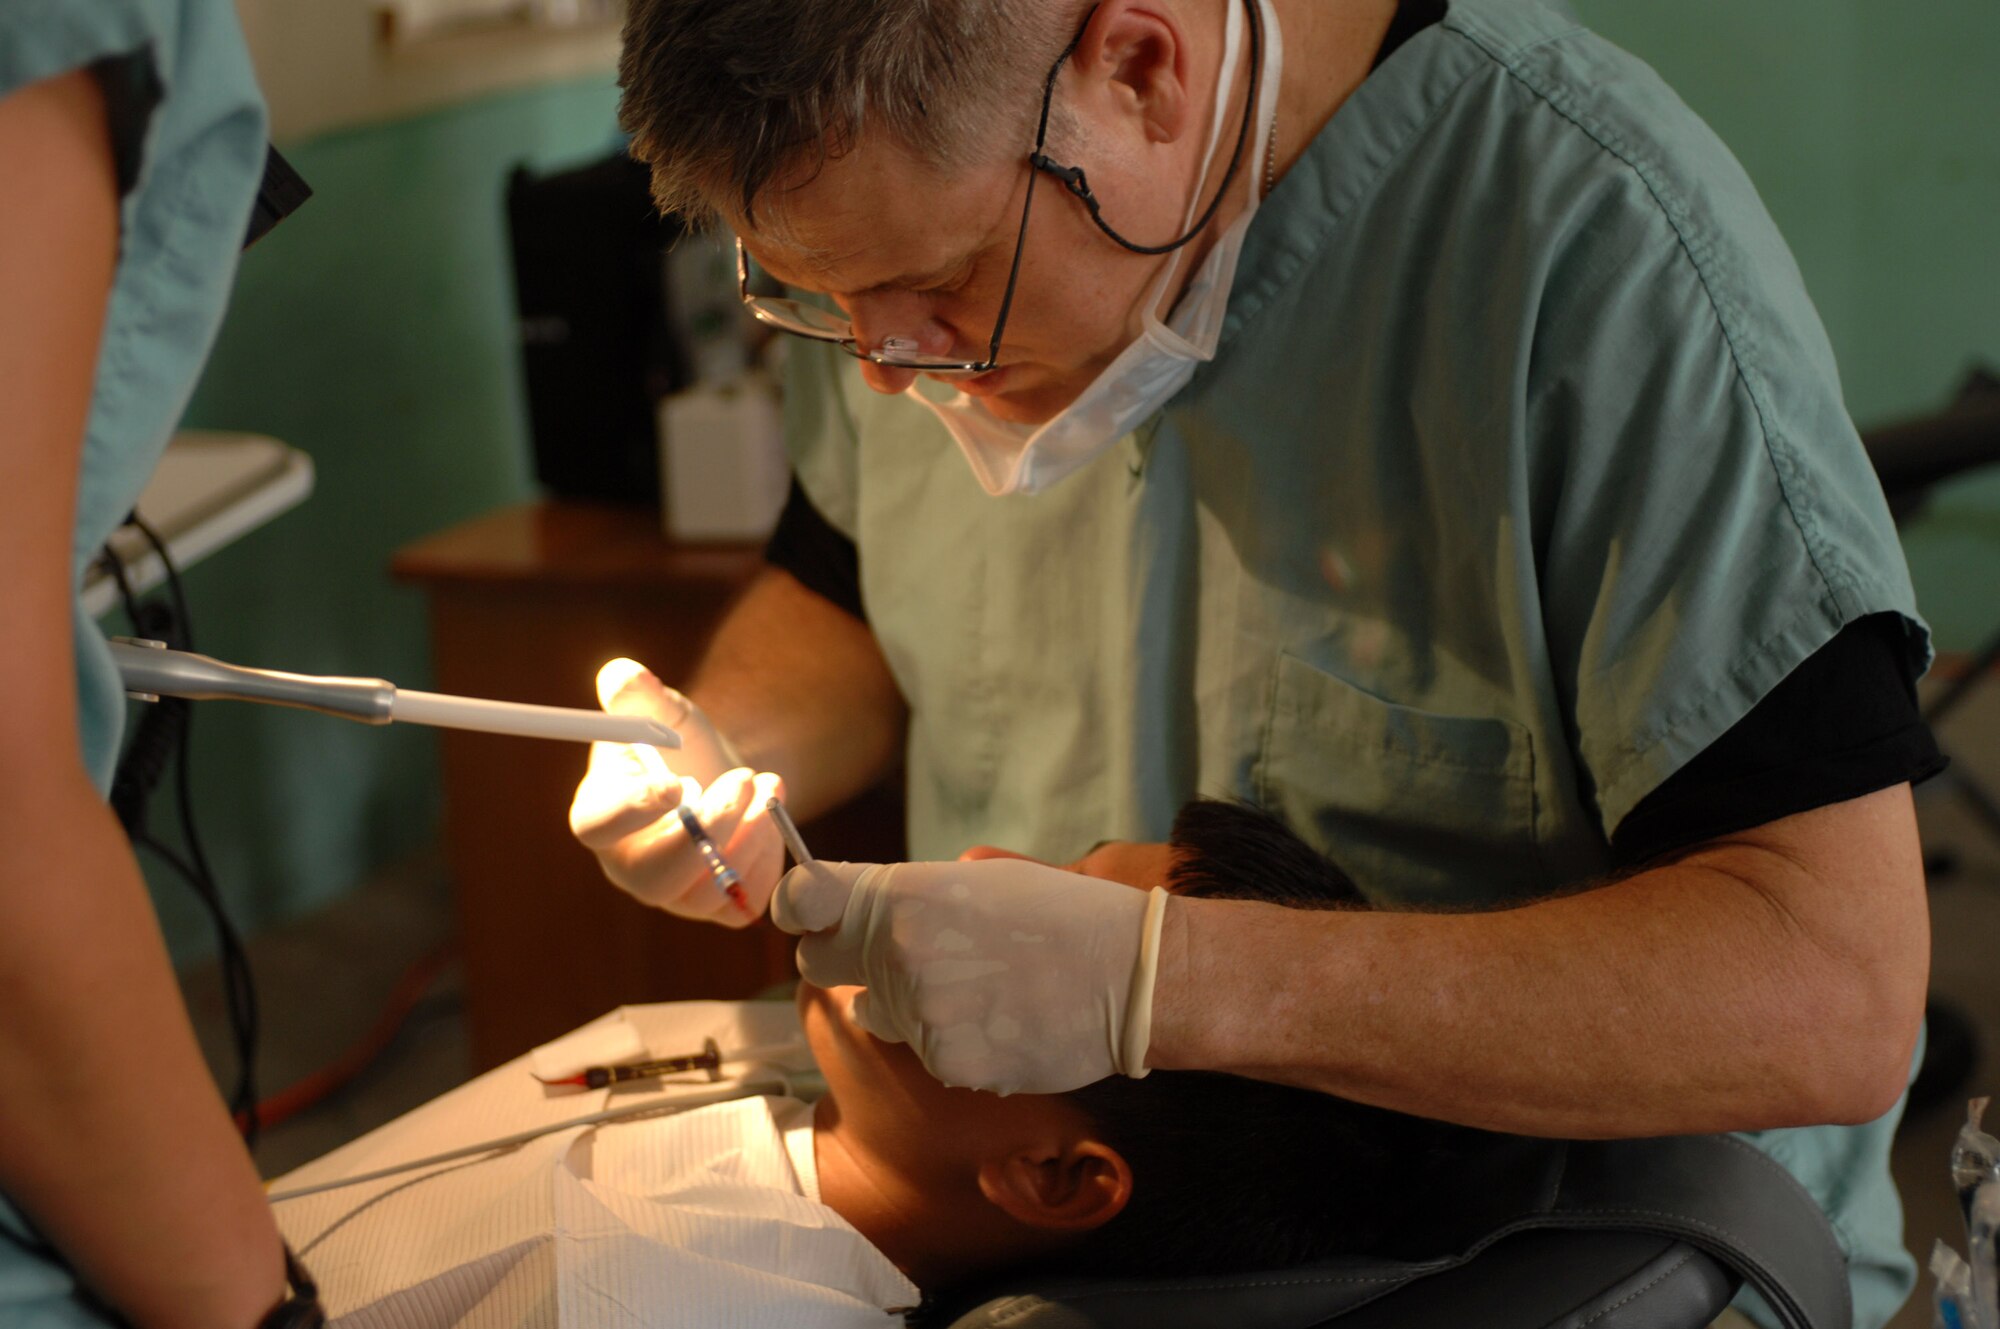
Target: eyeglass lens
[{"x": 807, "y": 320}]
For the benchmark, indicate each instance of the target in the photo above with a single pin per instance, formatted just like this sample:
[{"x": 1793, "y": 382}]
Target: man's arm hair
[
  {"x": 800, "y": 687},
  {"x": 1771, "y": 978}
]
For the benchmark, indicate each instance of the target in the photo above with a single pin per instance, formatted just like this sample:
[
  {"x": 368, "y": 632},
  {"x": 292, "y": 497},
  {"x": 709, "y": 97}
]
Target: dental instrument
[
  {"x": 150, "y": 671},
  {"x": 726, "y": 877},
  {"x": 597, "y": 1077},
  {"x": 711, "y": 1059},
  {"x": 783, "y": 1084},
  {"x": 768, "y": 1057},
  {"x": 789, "y": 830}
]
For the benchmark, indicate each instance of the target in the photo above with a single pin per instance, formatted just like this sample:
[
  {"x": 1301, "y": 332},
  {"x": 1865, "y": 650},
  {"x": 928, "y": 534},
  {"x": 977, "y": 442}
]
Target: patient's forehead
[{"x": 1126, "y": 862}]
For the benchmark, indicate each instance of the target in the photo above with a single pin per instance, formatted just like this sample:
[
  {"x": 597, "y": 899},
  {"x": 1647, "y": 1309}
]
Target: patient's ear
[{"x": 1071, "y": 1186}]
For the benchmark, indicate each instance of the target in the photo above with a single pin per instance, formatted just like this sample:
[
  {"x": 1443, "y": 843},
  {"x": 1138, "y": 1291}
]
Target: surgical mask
[{"x": 1010, "y": 458}]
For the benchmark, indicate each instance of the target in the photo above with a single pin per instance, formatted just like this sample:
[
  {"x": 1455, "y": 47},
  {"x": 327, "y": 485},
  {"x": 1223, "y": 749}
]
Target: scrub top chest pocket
[{"x": 1420, "y": 809}]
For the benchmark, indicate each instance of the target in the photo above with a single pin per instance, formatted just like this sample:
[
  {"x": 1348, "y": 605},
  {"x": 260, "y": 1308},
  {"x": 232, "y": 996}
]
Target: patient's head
[{"x": 1180, "y": 1172}]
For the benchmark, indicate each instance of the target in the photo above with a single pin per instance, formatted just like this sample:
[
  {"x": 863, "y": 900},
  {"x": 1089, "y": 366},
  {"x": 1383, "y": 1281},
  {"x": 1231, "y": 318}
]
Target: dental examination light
[{"x": 151, "y": 671}]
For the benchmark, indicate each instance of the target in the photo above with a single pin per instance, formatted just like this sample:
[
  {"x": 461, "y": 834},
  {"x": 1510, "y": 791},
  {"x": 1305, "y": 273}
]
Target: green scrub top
[
  {"x": 188, "y": 126},
  {"x": 1520, "y": 475}
]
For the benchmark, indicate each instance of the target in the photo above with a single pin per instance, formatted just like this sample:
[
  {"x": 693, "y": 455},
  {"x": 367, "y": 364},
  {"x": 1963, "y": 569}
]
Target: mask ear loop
[{"x": 1072, "y": 178}]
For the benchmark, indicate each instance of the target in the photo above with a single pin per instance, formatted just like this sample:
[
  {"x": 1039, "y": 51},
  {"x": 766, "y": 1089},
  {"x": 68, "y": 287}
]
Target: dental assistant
[
  {"x": 1404, "y": 417},
  {"x": 132, "y": 143}
]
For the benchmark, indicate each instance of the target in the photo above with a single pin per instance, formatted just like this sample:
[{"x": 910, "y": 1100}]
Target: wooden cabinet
[{"x": 524, "y": 604}]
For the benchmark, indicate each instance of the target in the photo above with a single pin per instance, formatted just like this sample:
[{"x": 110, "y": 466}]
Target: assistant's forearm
[
  {"x": 1678, "y": 1000},
  {"x": 800, "y": 687},
  {"x": 113, "y": 1138}
]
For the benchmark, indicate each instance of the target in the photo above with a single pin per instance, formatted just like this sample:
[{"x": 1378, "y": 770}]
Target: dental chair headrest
[{"x": 1616, "y": 1234}]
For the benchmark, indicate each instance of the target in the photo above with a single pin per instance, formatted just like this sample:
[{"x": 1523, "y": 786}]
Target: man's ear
[
  {"x": 1134, "y": 58},
  {"x": 1071, "y": 1187}
]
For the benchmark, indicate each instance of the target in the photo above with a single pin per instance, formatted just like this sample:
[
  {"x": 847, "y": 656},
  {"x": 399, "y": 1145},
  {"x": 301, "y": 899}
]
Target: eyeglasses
[
  {"x": 804, "y": 320},
  {"x": 810, "y": 321}
]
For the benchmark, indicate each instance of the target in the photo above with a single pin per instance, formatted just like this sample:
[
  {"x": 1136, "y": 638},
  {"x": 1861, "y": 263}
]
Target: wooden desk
[{"x": 525, "y": 603}]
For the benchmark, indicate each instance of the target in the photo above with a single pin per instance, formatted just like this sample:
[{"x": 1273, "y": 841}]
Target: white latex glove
[
  {"x": 1002, "y": 974},
  {"x": 626, "y": 808}
]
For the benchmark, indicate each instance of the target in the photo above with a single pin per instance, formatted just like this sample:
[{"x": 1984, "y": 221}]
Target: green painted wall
[
  {"x": 374, "y": 330},
  {"x": 1870, "y": 129}
]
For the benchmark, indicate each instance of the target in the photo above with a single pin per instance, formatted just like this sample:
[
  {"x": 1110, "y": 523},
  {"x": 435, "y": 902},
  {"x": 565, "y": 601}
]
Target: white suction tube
[{"x": 150, "y": 671}]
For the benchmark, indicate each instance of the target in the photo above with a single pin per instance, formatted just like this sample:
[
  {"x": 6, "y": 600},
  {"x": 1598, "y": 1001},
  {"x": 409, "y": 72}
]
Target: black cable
[
  {"x": 239, "y": 989},
  {"x": 161, "y": 739}
]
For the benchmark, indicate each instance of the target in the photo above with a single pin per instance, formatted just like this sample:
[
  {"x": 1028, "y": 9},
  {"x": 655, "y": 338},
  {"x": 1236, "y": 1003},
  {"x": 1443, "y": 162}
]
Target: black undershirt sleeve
[
  {"x": 132, "y": 93},
  {"x": 806, "y": 545},
  {"x": 1411, "y": 18},
  {"x": 1843, "y": 724}
]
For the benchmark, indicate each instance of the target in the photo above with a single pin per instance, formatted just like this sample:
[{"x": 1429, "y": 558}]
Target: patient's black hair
[{"x": 1232, "y": 1174}]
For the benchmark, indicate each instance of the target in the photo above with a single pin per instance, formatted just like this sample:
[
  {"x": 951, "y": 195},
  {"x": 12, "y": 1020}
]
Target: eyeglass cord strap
[{"x": 1072, "y": 177}]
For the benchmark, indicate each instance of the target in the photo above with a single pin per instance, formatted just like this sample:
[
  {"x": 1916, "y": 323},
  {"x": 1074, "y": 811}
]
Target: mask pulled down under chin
[{"x": 1010, "y": 458}]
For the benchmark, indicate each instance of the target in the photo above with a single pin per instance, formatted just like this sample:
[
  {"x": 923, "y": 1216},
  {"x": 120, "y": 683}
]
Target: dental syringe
[
  {"x": 726, "y": 878},
  {"x": 150, "y": 671}
]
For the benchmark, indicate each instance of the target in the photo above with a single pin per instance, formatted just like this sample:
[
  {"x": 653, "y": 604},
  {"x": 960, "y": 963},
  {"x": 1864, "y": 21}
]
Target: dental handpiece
[
  {"x": 788, "y": 829},
  {"x": 726, "y": 877},
  {"x": 149, "y": 670}
]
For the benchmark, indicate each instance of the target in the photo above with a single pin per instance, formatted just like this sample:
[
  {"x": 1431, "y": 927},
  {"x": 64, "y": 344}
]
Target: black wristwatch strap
[{"x": 300, "y": 1310}]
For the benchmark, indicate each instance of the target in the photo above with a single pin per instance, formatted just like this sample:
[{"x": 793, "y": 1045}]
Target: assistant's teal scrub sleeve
[
  {"x": 40, "y": 39},
  {"x": 1520, "y": 475},
  {"x": 200, "y": 149},
  {"x": 199, "y": 146}
]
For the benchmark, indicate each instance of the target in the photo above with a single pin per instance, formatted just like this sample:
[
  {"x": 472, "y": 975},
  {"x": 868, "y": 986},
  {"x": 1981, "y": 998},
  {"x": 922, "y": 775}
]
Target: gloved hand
[
  {"x": 626, "y": 807},
  {"x": 1004, "y": 974}
]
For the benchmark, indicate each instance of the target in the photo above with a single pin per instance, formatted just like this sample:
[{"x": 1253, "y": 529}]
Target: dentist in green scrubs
[
  {"x": 1404, "y": 417},
  {"x": 132, "y": 142}
]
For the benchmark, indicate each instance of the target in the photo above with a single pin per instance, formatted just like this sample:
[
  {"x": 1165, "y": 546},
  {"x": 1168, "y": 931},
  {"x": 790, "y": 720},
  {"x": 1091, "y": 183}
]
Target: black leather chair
[{"x": 1628, "y": 1234}]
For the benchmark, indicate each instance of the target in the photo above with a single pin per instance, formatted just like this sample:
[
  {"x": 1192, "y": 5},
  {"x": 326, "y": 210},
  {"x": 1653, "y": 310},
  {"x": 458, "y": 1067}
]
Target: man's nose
[{"x": 896, "y": 322}]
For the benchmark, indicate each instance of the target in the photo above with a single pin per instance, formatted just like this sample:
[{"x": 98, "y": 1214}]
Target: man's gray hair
[{"x": 724, "y": 97}]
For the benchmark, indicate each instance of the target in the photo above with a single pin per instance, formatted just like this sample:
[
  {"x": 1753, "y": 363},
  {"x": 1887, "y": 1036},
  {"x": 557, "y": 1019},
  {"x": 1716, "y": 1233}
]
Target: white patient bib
[{"x": 699, "y": 1220}]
